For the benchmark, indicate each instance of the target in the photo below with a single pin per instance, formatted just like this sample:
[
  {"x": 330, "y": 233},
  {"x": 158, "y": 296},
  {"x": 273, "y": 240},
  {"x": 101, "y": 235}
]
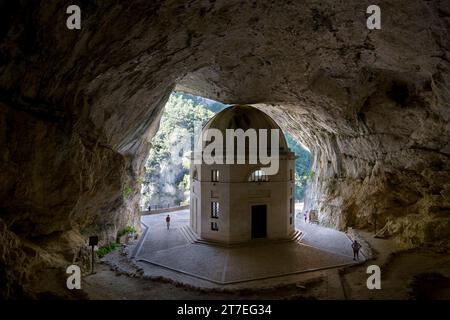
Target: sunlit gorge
[{"x": 224, "y": 150}]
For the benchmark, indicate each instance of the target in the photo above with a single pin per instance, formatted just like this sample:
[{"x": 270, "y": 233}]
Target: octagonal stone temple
[{"x": 237, "y": 202}]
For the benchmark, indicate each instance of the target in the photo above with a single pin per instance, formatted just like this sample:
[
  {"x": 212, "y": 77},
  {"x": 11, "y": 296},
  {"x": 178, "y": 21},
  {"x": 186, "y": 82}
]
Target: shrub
[
  {"x": 310, "y": 175},
  {"x": 103, "y": 251},
  {"x": 126, "y": 230},
  {"x": 127, "y": 192}
]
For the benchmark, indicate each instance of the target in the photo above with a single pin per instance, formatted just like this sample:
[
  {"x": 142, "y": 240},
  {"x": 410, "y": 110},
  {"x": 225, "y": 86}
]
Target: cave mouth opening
[{"x": 165, "y": 182}]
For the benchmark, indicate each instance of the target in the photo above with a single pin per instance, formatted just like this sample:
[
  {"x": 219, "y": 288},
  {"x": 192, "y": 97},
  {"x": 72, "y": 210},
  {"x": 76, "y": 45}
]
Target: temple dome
[{"x": 245, "y": 117}]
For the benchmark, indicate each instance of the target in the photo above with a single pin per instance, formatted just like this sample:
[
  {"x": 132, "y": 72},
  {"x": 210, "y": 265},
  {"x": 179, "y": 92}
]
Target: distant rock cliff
[{"x": 78, "y": 110}]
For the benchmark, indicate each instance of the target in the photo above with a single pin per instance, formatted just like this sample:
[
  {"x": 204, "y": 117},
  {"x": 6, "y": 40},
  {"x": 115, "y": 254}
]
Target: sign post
[{"x": 93, "y": 241}]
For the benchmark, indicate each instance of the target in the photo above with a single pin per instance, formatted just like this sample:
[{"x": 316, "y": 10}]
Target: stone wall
[{"x": 78, "y": 110}]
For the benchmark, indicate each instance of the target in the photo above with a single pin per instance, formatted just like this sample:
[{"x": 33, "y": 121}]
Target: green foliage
[
  {"x": 126, "y": 230},
  {"x": 127, "y": 192},
  {"x": 185, "y": 183},
  {"x": 310, "y": 175},
  {"x": 302, "y": 166},
  {"x": 140, "y": 180},
  {"x": 103, "y": 251},
  {"x": 211, "y": 105},
  {"x": 166, "y": 179}
]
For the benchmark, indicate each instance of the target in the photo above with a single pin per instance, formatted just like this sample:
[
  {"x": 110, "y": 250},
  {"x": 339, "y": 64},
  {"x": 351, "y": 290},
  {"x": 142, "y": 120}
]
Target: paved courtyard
[{"x": 320, "y": 248}]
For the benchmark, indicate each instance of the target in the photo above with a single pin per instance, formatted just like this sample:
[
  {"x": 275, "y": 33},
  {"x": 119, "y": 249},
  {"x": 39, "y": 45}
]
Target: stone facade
[
  {"x": 227, "y": 210},
  {"x": 78, "y": 109}
]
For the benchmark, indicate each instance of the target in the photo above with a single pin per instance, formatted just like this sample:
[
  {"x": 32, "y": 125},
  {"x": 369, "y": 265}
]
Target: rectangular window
[
  {"x": 291, "y": 205},
  {"x": 214, "y": 226},
  {"x": 291, "y": 175},
  {"x": 215, "y": 209},
  {"x": 215, "y": 175},
  {"x": 290, "y": 220},
  {"x": 258, "y": 176}
]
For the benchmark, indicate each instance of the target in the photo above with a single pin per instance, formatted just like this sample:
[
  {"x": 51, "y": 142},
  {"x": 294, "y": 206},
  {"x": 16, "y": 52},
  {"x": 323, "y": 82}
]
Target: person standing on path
[
  {"x": 168, "y": 221},
  {"x": 356, "y": 246}
]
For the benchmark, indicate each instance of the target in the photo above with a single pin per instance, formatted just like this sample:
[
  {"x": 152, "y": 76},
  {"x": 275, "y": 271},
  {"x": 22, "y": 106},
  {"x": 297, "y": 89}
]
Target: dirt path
[
  {"x": 408, "y": 275},
  {"x": 404, "y": 274},
  {"x": 108, "y": 284},
  {"x": 421, "y": 273}
]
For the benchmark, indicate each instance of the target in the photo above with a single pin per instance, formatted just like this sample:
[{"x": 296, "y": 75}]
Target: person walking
[
  {"x": 304, "y": 214},
  {"x": 356, "y": 246},
  {"x": 168, "y": 221}
]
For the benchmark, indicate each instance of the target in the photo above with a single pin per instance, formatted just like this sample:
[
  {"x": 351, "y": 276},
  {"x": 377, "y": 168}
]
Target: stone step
[
  {"x": 184, "y": 234},
  {"x": 189, "y": 234},
  {"x": 192, "y": 237},
  {"x": 298, "y": 236}
]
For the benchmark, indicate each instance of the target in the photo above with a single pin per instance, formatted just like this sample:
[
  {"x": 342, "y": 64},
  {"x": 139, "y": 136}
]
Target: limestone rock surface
[{"x": 78, "y": 110}]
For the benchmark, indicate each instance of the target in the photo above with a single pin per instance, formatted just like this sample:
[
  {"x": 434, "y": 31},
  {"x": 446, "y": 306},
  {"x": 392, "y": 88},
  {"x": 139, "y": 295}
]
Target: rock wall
[{"x": 78, "y": 110}]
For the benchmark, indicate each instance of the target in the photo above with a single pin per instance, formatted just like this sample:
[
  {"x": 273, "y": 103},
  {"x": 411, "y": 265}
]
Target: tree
[
  {"x": 166, "y": 180},
  {"x": 302, "y": 166},
  {"x": 167, "y": 166}
]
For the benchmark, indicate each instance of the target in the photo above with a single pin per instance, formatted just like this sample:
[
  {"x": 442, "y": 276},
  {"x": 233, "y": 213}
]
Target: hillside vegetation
[{"x": 166, "y": 180}]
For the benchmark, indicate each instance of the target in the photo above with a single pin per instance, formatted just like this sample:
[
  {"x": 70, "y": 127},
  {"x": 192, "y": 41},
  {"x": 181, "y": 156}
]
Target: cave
[{"x": 79, "y": 108}]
